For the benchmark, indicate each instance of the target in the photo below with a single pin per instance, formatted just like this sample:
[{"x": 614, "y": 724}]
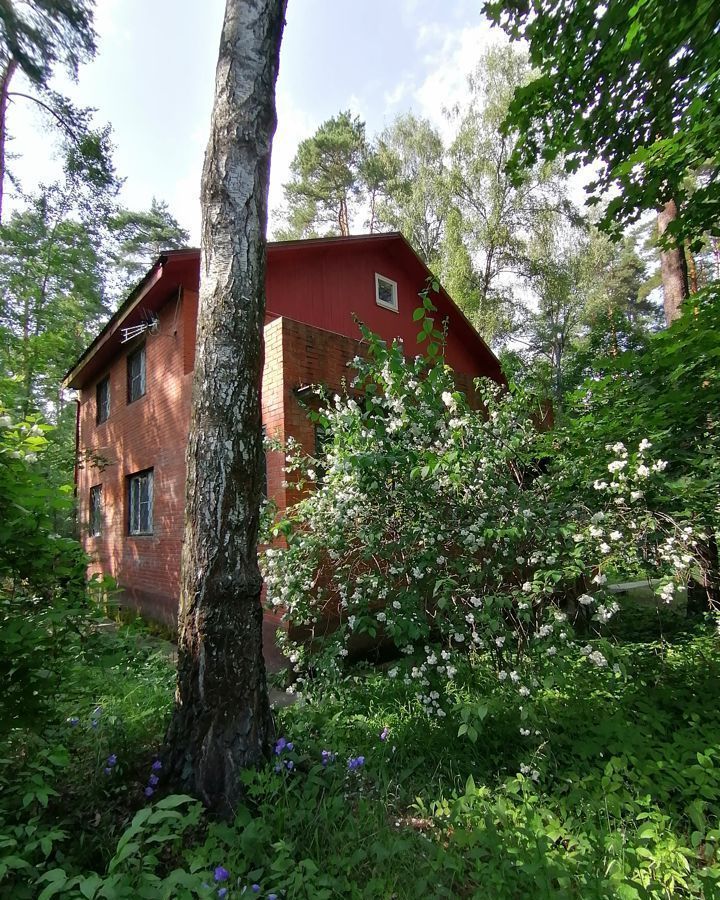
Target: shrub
[{"x": 444, "y": 530}]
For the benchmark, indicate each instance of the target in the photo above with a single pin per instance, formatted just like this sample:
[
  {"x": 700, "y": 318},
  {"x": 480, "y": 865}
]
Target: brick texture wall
[{"x": 152, "y": 433}]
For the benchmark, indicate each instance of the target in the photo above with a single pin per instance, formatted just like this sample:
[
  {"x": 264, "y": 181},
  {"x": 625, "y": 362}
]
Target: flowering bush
[{"x": 444, "y": 530}]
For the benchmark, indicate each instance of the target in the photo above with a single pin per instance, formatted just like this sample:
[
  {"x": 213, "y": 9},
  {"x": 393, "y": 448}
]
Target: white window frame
[
  {"x": 136, "y": 501},
  {"x": 95, "y": 503},
  {"x": 140, "y": 378},
  {"x": 393, "y": 307}
]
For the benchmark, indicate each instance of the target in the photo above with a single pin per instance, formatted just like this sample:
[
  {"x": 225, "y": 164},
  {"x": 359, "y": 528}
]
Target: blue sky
[{"x": 153, "y": 81}]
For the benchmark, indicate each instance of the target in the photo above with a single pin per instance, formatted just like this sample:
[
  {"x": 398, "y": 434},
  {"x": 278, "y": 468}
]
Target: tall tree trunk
[
  {"x": 673, "y": 267},
  {"x": 343, "y": 219},
  {"x": 222, "y": 721},
  {"x": 5, "y": 80}
]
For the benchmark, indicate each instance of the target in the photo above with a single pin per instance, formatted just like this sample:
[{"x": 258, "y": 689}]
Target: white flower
[
  {"x": 5, "y": 422},
  {"x": 527, "y": 587},
  {"x": 381, "y": 617},
  {"x": 525, "y": 732},
  {"x": 351, "y": 622},
  {"x": 600, "y": 578},
  {"x": 459, "y": 637},
  {"x": 514, "y": 677},
  {"x": 605, "y": 613},
  {"x": 31, "y": 457},
  {"x": 502, "y": 675},
  {"x": 520, "y": 560},
  {"x": 617, "y": 465},
  {"x": 642, "y": 471},
  {"x": 597, "y": 659},
  {"x": 499, "y": 641},
  {"x": 615, "y": 535},
  {"x": 448, "y": 400},
  {"x": 396, "y": 604},
  {"x": 604, "y": 548},
  {"x": 551, "y": 651},
  {"x": 644, "y": 445},
  {"x": 392, "y": 673},
  {"x": 597, "y": 517},
  {"x": 600, "y": 485},
  {"x": 585, "y": 600},
  {"x": 524, "y": 692},
  {"x": 635, "y": 495},
  {"x": 618, "y": 448},
  {"x": 660, "y": 465}
]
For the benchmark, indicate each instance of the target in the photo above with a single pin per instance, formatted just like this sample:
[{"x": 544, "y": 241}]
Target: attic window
[{"x": 386, "y": 292}]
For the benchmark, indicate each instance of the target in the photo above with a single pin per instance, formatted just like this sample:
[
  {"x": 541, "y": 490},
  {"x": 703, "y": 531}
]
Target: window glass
[
  {"x": 140, "y": 502},
  {"x": 95, "y": 519},
  {"x": 136, "y": 374},
  {"x": 102, "y": 400},
  {"x": 386, "y": 292}
]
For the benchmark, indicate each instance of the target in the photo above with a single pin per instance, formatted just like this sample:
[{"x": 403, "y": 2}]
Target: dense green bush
[{"x": 445, "y": 531}]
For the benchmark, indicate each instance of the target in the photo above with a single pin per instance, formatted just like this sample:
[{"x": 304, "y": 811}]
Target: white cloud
[{"x": 454, "y": 54}]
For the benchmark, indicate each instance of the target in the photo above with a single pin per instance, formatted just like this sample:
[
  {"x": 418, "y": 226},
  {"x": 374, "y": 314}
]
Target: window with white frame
[
  {"x": 140, "y": 502},
  {"x": 102, "y": 400},
  {"x": 386, "y": 292},
  {"x": 95, "y": 517},
  {"x": 136, "y": 374}
]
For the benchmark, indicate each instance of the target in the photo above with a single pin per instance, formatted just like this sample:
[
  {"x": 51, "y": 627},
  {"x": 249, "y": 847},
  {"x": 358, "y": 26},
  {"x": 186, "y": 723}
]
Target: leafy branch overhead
[{"x": 629, "y": 87}]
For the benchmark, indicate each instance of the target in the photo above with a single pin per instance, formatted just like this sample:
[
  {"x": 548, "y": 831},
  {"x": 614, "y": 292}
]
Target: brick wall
[{"x": 152, "y": 432}]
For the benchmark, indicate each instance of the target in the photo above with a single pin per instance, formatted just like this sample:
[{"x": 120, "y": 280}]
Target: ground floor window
[
  {"x": 95, "y": 519},
  {"x": 140, "y": 502}
]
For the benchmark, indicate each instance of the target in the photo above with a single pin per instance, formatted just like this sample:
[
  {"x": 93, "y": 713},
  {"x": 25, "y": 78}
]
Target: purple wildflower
[
  {"x": 278, "y": 769},
  {"x": 112, "y": 760},
  {"x": 156, "y": 766},
  {"x": 289, "y": 765},
  {"x": 73, "y": 721},
  {"x": 355, "y": 762},
  {"x": 272, "y": 897},
  {"x": 149, "y": 791},
  {"x": 384, "y": 733},
  {"x": 222, "y": 892},
  {"x": 221, "y": 874},
  {"x": 153, "y": 781},
  {"x": 255, "y": 888},
  {"x": 290, "y": 746},
  {"x": 327, "y": 756},
  {"x": 280, "y": 746},
  {"x": 107, "y": 770}
]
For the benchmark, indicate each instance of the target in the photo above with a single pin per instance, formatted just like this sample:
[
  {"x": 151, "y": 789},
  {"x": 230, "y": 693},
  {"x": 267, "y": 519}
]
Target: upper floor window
[
  {"x": 102, "y": 400},
  {"x": 136, "y": 374},
  {"x": 140, "y": 502},
  {"x": 386, "y": 292},
  {"x": 95, "y": 517}
]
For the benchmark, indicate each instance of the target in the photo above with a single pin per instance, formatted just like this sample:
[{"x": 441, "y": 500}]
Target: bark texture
[
  {"x": 5, "y": 79},
  {"x": 222, "y": 721},
  {"x": 673, "y": 267}
]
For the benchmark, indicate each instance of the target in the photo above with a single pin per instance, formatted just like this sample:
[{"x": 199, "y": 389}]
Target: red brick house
[{"x": 134, "y": 391}]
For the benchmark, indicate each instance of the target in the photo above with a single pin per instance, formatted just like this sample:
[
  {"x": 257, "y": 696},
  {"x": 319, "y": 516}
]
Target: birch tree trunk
[{"x": 222, "y": 721}]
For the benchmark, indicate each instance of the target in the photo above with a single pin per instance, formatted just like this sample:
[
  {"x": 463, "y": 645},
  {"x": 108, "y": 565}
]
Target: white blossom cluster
[{"x": 428, "y": 528}]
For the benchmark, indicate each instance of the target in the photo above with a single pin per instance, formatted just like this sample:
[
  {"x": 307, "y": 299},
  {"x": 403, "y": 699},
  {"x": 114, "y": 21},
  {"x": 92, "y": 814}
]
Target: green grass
[{"x": 624, "y": 803}]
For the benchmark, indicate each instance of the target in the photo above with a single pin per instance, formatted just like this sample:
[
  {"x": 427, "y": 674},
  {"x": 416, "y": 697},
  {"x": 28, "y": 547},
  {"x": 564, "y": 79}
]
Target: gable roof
[{"x": 176, "y": 268}]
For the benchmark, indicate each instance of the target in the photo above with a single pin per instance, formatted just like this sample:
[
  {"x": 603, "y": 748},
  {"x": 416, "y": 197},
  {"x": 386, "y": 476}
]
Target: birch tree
[{"x": 222, "y": 721}]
